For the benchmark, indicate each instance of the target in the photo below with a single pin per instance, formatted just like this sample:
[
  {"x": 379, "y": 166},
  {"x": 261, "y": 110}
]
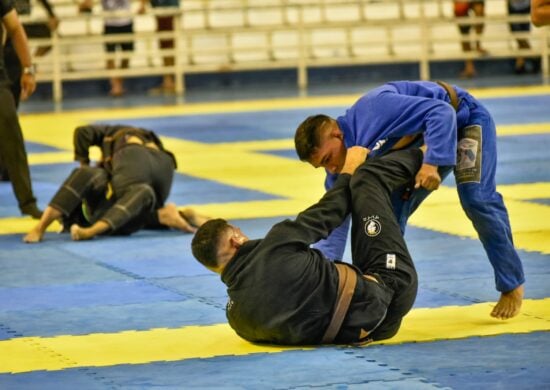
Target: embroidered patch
[
  {"x": 372, "y": 226},
  {"x": 229, "y": 304},
  {"x": 468, "y": 161},
  {"x": 391, "y": 261}
]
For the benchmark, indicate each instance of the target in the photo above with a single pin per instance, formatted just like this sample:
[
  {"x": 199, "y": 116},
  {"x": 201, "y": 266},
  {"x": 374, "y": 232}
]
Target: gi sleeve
[
  {"x": 333, "y": 246},
  {"x": 86, "y": 136},
  {"x": 405, "y": 115},
  {"x": 317, "y": 221}
]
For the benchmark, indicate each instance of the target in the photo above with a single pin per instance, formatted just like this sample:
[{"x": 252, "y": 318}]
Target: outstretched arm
[{"x": 319, "y": 220}]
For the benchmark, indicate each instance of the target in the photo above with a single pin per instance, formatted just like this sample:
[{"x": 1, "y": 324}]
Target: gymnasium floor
[{"x": 139, "y": 312}]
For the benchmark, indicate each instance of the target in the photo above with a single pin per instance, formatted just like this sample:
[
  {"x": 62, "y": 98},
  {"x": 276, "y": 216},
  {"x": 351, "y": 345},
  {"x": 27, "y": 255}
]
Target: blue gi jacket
[{"x": 385, "y": 114}]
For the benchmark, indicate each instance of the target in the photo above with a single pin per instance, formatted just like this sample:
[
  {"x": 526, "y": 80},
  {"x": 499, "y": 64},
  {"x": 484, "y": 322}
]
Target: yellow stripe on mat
[{"x": 139, "y": 347}]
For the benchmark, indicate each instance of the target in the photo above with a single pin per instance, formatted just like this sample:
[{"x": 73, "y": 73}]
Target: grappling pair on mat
[
  {"x": 126, "y": 192},
  {"x": 282, "y": 290}
]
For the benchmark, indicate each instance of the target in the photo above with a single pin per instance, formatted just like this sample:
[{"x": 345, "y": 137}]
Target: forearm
[{"x": 18, "y": 38}]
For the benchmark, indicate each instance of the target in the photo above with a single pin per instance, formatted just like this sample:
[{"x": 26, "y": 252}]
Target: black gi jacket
[
  {"x": 282, "y": 291},
  {"x": 110, "y": 139}
]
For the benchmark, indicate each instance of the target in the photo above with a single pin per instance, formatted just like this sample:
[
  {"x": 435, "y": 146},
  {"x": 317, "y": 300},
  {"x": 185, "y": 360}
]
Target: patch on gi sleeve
[
  {"x": 468, "y": 161},
  {"x": 373, "y": 227},
  {"x": 391, "y": 261}
]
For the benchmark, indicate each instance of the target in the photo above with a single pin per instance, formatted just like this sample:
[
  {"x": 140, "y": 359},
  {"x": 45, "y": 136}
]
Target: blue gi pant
[{"x": 475, "y": 178}]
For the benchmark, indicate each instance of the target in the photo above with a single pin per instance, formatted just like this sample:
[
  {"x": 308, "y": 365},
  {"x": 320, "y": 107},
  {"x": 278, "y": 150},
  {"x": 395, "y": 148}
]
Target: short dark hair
[
  {"x": 206, "y": 242},
  {"x": 307, "y": 136}
]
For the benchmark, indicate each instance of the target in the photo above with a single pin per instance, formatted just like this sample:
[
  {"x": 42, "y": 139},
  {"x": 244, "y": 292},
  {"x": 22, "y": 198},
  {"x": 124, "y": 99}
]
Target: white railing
[{"x": 233, "y": 35}]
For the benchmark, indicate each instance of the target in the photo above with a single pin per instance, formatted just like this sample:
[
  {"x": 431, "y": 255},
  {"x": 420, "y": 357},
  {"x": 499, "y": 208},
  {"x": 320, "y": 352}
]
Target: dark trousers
[
  {"x": 378, "y": 247},
  {"x": 12, "y": 150},
  {"x": 141, "y": 182},
  {"x": 142, "y": 179},
  {"x": 13, "y": 70},
  {"x": 86, "y": 185}
]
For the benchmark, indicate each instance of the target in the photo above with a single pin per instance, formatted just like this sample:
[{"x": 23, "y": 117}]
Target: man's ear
[
  {"x": 335, "y": 132},
  {"x": 236, "y": 241}
]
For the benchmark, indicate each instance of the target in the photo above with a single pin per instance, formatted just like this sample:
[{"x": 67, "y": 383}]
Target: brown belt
[
  {"x": 455, "y": 101},
  {"x": 347, "y": 279}
]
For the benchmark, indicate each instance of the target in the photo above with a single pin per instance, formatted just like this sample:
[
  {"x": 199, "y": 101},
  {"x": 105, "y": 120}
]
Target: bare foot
[
  {"x": 193, "y": 217},
  {"x": 79, "y": 233},
  {"x": 169, "y": 216},
  {"x": 34, "y": 236},
  {"x": 509, "y": 304}
]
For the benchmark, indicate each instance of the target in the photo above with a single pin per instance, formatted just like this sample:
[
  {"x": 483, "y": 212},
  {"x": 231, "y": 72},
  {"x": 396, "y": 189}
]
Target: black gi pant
[
  {"x": 141, "y": 182},
  {"x": 12, "y": 151},
  {"x": 378, "y": 247}
]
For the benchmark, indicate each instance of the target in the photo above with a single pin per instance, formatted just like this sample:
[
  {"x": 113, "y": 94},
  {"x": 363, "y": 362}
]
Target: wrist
[{"x": 29, "y": 70}]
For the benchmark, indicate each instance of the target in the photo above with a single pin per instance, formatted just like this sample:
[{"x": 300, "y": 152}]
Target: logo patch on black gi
[
  {"x": 372, "y": 225},
  {"x": 391, "y": 261},
  {"x": 229, "y": 304}
]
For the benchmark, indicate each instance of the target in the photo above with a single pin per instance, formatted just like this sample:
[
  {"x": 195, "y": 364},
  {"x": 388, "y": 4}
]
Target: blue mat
[
  {"x": 111, "y": 318},
  {"x": 410, "y": 366},
  {"x": 519, "y": 109},
  {"x": 88, "y": 294}
]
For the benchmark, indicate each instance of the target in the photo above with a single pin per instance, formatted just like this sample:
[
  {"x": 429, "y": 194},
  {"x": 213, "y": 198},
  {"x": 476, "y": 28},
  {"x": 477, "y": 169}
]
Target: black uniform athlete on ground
[
  {"x": 138, "y": 170},
  {"x": 282, "y": 291}
]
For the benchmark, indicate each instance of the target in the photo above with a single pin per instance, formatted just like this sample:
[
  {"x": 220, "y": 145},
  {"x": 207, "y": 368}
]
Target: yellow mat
[{"x": 139, "y": 347}]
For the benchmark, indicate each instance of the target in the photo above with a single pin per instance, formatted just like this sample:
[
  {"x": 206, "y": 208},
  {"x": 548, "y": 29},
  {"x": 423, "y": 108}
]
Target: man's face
[{"x": 331, "y": 152}]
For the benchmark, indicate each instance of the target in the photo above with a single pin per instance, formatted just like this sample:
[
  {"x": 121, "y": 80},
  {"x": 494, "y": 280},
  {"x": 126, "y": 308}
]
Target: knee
[
  {"x": 474, "y": 199},
  {"x": 84, "y": 170},
  {"x": 145, "y": 194}
]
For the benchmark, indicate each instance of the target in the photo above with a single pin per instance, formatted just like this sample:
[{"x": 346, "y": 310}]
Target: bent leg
[
  {"x": 375, "y": 231},
  {"x": 68, "y": 198},
  {"x": 137, "y": 200},
  {"x": 475, "y": 177},
  {"x": 37, "y": 232},
  {"x": 77, "y": 186},
  {"x": 378, "y": 246}
]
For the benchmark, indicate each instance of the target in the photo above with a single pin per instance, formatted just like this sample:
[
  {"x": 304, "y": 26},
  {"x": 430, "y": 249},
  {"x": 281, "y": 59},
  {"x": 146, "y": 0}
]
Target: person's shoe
[{"x": 32, "y": 210}]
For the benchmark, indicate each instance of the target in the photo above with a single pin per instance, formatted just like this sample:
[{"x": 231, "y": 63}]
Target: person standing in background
[
  {"x": 115, "y": 25},
  {"x": 164, "y": 23},
  {"x": 463, "y": 9},
  {"x": 520, "y": 7}
]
